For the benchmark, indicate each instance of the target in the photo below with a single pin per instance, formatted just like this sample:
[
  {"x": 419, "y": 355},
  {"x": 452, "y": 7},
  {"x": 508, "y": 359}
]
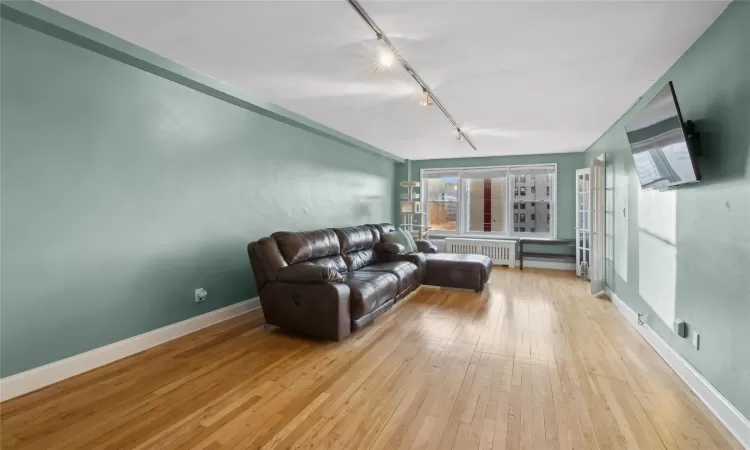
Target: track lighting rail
[{"x": 409, "y": 69}]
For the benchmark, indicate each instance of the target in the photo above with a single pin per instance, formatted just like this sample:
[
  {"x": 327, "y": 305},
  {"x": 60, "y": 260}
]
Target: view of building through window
[
  {"x": 533, "y": 196},
  {"x": 442, "y": 203}
]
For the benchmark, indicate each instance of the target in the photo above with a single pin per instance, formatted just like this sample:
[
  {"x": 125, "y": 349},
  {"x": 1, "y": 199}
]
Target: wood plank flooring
[{"x": 534, "y": 362}]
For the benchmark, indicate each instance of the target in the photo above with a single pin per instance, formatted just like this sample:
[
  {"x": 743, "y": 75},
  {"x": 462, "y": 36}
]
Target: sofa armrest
[
  {"x": 308, "y": 274},
  {"x": 315, "y": 309},
  {"x": 393, "y": 248},
  {"x": 426, "y": 246},
  {"x": 415, "y": 258}
]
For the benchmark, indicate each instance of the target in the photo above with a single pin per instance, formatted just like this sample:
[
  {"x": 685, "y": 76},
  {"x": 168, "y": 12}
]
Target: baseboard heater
[{"x": 501, "y": 252}]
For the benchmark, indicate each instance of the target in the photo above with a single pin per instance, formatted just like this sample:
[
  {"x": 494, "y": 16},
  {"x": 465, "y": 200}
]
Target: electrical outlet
[
  {"x": 696, "y": 340},
  {"x": 680, "y": 327},
  {"x": 200, "y": 295}
]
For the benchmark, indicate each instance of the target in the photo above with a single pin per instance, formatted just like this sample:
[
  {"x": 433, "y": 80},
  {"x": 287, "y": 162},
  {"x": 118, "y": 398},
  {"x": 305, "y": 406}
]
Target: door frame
[{"x": 583, "y": 230}]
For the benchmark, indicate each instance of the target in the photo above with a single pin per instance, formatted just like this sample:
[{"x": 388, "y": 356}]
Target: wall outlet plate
[
  {"x": 680, "y": 327},
  {"x": 696, "y": 340},
  {"x": 200, "y": 295}
]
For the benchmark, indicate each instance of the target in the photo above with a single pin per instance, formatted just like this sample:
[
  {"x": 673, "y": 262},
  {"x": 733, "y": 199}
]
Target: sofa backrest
[
  {"x": 341, "y": 249},
  {"x": 318, "y": 247},
  {"x": 357, "y": 246},
  {"x": 382, "y": 228}
]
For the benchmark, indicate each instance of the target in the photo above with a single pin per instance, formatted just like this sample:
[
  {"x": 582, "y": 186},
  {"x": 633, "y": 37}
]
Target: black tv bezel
[{"x": 690, "y": 139}]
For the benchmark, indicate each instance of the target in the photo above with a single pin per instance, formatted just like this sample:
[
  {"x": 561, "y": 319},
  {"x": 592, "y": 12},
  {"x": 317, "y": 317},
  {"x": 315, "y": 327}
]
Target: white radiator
[{"x": 501, "y": 252}]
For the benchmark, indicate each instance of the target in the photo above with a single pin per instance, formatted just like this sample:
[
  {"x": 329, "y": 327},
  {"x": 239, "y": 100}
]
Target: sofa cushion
[
  {"x": 369, "y": 291},
  {"x": 301, "y": 273},
  {"x": 355, "y": 238},
  {"x": 418, "y": 259},
  {"x": 457, "y": 271},
  {"x": 357, "y": 246},
  {"x": 359, "y": 259},
  {"x": 307, "y": 245},
  {"x": 410, "y": 239},
  {"x": 375, "y": 232},
  {"x": 334, "y": 262},
  {"x": 406, "y": 272},
  {"x": 383, "y": 227}
]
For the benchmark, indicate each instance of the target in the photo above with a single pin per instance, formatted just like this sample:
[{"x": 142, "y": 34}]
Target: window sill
[{"x": 511, "y": 236}]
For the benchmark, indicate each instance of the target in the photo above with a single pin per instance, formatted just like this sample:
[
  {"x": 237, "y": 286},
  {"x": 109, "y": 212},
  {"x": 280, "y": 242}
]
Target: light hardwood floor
[{"x": 533, "y": 362}]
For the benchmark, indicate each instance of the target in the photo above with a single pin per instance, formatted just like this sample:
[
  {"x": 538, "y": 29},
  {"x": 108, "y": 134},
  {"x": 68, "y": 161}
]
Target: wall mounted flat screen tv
[{"x": 659, "y": 141}]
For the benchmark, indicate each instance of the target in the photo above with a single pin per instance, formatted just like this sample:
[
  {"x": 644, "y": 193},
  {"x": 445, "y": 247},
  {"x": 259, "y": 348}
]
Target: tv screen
[{"x": 659, "y": 144}]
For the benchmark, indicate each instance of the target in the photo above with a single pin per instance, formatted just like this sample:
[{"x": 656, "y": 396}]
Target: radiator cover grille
[{"x": 501, "y": 252}]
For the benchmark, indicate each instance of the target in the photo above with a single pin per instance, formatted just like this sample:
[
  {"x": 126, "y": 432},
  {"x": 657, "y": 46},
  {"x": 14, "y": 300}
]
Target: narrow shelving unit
[{"x": 412, "y": 217}]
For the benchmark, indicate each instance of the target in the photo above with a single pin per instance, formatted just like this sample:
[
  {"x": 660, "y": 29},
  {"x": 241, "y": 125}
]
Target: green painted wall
[
  {"x": 123, "y": 192},
  {"x": 567, "y": 164},
  {"x": 712, "y": 81}
]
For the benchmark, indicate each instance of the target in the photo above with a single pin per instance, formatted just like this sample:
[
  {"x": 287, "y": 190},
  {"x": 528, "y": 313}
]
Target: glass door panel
[{"x": 583, "y": 220}]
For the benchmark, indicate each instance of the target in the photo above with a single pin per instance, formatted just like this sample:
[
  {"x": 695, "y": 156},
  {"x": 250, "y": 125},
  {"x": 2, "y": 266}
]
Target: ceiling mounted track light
[
  {"x": 427, "y": 99},
  {"x": 429, "y": 95},
  {"x": 386, "y": 58}
]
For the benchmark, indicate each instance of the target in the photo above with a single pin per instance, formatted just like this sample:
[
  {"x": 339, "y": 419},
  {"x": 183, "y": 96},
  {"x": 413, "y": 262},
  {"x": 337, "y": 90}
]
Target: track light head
[
  {"x": 460, "y": 136},
  {"x": 427, "y": 99},
  {"x": 385, "y": 58}
]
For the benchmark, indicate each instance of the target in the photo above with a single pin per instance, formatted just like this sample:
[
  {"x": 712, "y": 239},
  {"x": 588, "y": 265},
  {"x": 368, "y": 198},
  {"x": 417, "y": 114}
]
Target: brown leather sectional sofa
[{"x": 329, "y": 283}]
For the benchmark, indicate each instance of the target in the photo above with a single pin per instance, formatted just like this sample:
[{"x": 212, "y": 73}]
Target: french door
[
  {"x": 597, "y": 225},
  {"x": 583, "y": 220}
]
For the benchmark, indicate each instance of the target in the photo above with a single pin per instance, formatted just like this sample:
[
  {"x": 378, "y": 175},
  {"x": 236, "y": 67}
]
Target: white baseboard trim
[
  {"x": 733, "y": 420},
  {"x": 39, "y": 377},
  {"x": 549, "y": 265}
]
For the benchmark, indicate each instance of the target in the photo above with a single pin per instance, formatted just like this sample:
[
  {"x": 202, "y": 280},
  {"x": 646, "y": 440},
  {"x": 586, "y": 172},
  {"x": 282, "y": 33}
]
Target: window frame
[{"x": 461, "y": 209}]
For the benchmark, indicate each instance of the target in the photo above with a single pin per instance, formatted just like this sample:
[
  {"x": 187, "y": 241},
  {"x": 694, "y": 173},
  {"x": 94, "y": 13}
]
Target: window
[
  {"x": 486, "y": 201},
  {"x": 540, "y": 179},
  {"x": 442, "y": 202}
]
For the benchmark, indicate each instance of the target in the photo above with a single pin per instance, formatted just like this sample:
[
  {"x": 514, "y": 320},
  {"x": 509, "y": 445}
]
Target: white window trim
[{"x": 461, "y": 208}]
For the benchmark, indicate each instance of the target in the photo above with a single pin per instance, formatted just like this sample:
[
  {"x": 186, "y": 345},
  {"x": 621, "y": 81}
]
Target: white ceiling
[{"x": 519, "y": 77}]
